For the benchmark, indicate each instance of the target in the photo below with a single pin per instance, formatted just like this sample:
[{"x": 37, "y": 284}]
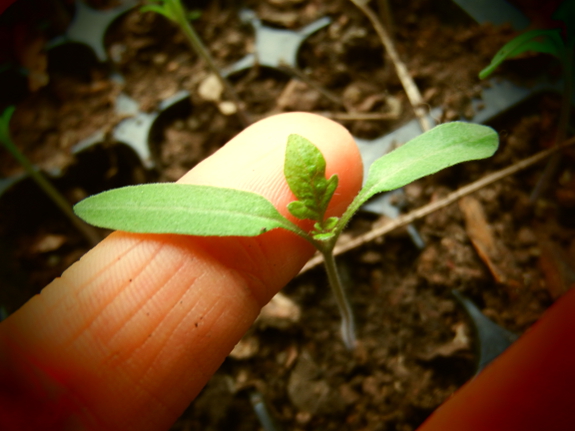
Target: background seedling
[
  {"x": 206, "y": 210},
  {"x": 89, "y": 233},
  {"x": 177, "y": 13},
  {"x": 548, "y": 42}
]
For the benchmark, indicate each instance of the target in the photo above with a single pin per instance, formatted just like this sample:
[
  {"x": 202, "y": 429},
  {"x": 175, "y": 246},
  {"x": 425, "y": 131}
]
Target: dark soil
[{"x": 416, "y": 344}]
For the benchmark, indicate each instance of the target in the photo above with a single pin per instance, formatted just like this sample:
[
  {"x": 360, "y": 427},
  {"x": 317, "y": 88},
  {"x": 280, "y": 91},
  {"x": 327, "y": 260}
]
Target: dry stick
[
  {"x": 307, "y": 80},
  {"x": 386, "y": 17},
  {"x": 340, "y": 116},
  {"x": 364, "y": 116},
  {"x": 409, "y": 86},
  {"x": 434, "y": 206}
]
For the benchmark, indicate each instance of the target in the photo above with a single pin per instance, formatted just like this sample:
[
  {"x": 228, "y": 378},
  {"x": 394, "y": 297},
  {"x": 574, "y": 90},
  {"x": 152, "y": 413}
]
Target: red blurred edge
[
  {"x": 530, "y": 387},
  {"x": 4, "y": 4}
]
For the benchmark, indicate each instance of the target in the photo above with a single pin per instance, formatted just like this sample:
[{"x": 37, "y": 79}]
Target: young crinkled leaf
[
  {"x": 183, "y": 209},
  {"x": 304, "y": 170}
]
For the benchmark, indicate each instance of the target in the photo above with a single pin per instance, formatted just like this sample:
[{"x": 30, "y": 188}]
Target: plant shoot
[{"x": 214, "y": 211}]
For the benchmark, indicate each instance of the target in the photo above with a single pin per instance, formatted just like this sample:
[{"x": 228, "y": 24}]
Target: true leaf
[
  {"x": 545, "y": 41},
  {"x": 304, "y": 170},
  {"x": 300, "y": 210},
  {"x": 183, "y": 209},
  {"x": 443, "y": 146},
  {"x": 323, "y": 236},
  {"x": 328, "y": 224}
]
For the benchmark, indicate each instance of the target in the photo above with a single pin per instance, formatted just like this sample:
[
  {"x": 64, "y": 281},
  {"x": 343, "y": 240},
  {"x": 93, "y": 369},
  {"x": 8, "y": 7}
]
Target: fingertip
[
  {"x": 261, "y": 149},
  {"x": 143, "y": 308},
  {"x": 253, "y": 161}
]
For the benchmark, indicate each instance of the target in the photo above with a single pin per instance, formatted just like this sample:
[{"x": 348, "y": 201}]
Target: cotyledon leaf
[
  {"x": 443, "y": 146},
  {"x": 183, "y": 209}
]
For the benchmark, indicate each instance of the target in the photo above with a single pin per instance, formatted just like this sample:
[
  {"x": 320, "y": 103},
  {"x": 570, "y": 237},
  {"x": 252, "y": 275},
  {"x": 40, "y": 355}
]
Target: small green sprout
[
  {"x": 214, "y": 211},
  {"x": 177, "y": 13},
  {"x": 5, "y": 138},
  {"x": 543, "y": 41},
  {"x": 547, "y": 41}
]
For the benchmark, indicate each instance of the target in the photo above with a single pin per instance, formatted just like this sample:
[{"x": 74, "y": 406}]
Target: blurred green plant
[
  {"x": 175, "y": 11},
  {"x": 60, "y": 201},
  {"x": 547, "y": 41}
]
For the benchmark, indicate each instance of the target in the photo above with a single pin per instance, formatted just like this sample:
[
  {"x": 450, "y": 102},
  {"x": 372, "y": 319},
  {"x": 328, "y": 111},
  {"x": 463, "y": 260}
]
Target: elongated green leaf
[
  {"x": 171, "y": 9},
  {"x": 437, "y": 149},
  {"x": 5, "y": 124},
  {"x": 304, "y": 170},
  {"x": 545, "y": 41},
  {"x": 183, "y": 209}
]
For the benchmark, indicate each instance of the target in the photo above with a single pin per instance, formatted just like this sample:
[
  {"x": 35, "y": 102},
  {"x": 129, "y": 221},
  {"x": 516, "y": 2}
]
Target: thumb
[{"x": 128, "y": 336}]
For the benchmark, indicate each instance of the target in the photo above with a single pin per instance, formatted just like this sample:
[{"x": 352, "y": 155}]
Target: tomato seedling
[
  {"x": 60, "y": 201},
  {"x": 547, "y": 41},
  {"x": 214, "y": 211},
  {"x": 175, "y": 11}
]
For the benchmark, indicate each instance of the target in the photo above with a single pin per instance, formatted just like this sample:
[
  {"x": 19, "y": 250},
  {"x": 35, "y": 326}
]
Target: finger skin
[{"x": 128, "y": 336}]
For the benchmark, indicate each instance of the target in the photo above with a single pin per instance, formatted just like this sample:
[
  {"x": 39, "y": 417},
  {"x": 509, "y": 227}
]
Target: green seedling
[
  {"x": 548, "y": 41},
  {"x": 214, "y": 211},
  {"x": 5, "y": 138},
  {"x": 177, "y": 13}
]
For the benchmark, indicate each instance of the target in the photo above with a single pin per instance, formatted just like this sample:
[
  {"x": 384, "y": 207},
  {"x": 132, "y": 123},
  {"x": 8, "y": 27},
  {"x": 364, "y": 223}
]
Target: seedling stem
[
  {"x": 347, "y": 319},
  {"x": 176, "y": 12},
  {"x": 87, "y": 231}
]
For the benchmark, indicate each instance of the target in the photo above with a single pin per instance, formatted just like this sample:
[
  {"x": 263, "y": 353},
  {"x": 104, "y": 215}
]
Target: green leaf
[
  {"x": 300, "y": 210},
  {"x": 323, "y": 236},
  {"x": 171, "y": 9},
  {"x": 545, "y": 41},
  {"x": 304, "y": 170},
  {"x": 194, "y": 14},
  {"x": 437, "y": 149},
  {"x": 183, "y": 209},
  {"x": 5, "y": 124},
  {"x": 324, "y": 231},
  {"x": 328, "y": 224}
]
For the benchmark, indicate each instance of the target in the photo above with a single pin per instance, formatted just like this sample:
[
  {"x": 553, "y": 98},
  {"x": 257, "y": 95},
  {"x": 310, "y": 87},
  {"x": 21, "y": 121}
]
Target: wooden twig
[
  {"x": 386, "y": 16},
  {"x": 409, "y": 85},
  {"x": 306, "y": 79},
  {"x": 360, "y": 116},
  {"x": 434, "y": 206}
]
